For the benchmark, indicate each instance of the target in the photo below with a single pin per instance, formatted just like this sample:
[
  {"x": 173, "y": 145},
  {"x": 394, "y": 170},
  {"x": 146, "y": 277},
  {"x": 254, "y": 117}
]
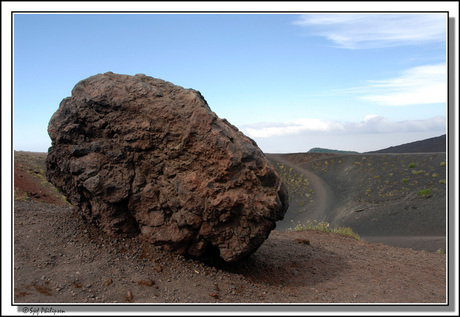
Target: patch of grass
[
  {"x": 443, "y": 164},
  {"x": 418, "y": 172},
  {"x": 64, "y": 199},
  {"x": 440, "y": 251},
  {"x": 325, "y": 227},
  {"x": 425, "y": 192},
  {"x": 412, "y": 165},
  {"x": 322, "y": 226},
  {"x": 347, "y": 231},
  {"x": 442, "y": 181},
  {"x": 404, "y": 180},
  {"x": 18, "y": 195}
]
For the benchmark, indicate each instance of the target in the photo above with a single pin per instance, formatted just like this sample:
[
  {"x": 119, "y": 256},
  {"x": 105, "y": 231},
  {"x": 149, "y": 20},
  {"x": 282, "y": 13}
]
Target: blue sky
[{"x": 291, "y": 82}]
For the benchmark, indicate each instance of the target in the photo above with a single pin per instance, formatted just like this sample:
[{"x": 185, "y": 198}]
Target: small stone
[
  {"x": 129, "y": 296},
  {"x": 148, "y": 282},
  {"x": 108, "y": 282},
  {"x": 303, "y": 241}
]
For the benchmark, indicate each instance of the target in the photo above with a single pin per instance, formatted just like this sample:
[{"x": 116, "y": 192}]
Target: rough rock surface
[{"x": 139, "y": 155}]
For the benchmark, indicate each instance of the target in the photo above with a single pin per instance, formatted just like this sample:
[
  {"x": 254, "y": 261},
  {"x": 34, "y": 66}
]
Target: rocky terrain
[{"x": 58, "y": 258}]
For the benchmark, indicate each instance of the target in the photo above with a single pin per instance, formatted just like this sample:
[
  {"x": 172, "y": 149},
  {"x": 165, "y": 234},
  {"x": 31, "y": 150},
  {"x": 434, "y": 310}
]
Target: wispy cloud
[
  {"x": 415, "y": 86},
  {"x": 269, "y": 129},
  {"x": 362, "y": 31},
  {"x": 369, "y": 124}
]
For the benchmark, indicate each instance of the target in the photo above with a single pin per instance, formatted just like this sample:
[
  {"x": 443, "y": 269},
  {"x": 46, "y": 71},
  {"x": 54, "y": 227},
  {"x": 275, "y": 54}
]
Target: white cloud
[
  {"x": 361, "y": 31},
  {"x": 265, "y": 130},
  {"x": 370, "y": 124},
  {"x": 418, "y": 85}
]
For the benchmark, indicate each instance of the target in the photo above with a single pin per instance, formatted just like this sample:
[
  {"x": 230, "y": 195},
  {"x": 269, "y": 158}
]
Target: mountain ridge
[{"x": 435, "y": 144}]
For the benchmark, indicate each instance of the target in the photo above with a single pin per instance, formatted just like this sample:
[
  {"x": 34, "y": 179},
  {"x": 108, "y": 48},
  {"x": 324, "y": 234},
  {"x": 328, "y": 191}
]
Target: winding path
[
  {"x": 325, "y": 199},
  {"x": 325, "y": 206}
]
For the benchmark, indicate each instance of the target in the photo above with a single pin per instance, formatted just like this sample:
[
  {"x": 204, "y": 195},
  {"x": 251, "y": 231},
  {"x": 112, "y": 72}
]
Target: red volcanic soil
[
  {"x": 60, "y": 259},
  {"x": 30, "y": 181}
]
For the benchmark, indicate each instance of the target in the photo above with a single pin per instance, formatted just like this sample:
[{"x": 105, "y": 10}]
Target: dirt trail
[
  {"x": 340, "y": 202},
  {"x": 324, "y": 194},
  {"x": 58, "y": 258}
]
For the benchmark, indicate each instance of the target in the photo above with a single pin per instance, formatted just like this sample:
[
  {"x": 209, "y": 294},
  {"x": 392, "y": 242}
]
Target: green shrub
[
  {"x": 443, "y": 164},
  {"x": 404, "y": 180},
  {"x": 442, "y": 181},
  {"x": 412, "y": 165},
  {"x": 424, "y": 192}
]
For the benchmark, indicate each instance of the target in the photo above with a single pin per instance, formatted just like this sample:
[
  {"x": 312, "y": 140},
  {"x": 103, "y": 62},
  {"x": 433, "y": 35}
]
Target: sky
[{"x": 291, "y": 82}]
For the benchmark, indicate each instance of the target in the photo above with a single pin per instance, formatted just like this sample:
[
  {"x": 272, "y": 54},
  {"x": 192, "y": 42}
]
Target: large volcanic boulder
[{"x": 139, "y": 155}]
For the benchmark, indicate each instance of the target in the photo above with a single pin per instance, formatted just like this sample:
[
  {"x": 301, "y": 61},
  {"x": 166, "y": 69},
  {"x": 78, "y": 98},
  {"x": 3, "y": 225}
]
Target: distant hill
[
  {"x": 436, "y": 144},
  {"x": 323, "y": 150}
]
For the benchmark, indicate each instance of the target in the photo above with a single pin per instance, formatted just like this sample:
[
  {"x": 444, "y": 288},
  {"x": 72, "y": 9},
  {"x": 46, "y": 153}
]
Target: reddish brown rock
[{"x": 139, "y": 155}]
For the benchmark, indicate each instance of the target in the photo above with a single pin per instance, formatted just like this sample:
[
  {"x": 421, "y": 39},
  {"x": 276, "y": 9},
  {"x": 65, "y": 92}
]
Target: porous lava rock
[{"x": 139, "y": 155}]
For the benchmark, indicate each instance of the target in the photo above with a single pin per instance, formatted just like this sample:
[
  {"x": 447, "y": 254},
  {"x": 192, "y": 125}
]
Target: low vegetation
[
  {"x": 297, "y": 184},
  {"x": 325, "y": 227},
  {"x": 425, "y": 192},
  {"x": 389, "y": 176}
]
